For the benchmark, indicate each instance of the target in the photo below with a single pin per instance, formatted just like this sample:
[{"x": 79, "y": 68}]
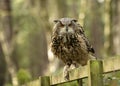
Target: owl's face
[{"x": 65, "y": 26}]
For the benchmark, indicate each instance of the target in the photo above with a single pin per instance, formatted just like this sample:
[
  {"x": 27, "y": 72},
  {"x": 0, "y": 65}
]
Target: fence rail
[{"x": 94, "y": 71}]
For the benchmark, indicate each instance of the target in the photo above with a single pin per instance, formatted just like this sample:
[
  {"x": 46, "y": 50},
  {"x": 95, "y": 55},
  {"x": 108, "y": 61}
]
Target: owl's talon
[
  {"x": 73, "y": 66},
  {"x": 66, "y": 77},
  {"x": 66, "y": 72}
]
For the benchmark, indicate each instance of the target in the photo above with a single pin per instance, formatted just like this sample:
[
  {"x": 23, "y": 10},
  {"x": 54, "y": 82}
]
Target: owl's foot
[
  {"x": 66, "y": 72},
  {"x": 74, "y": 65}
]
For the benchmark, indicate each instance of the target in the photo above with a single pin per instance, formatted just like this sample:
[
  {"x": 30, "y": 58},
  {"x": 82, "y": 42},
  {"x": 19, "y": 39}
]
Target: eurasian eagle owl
[{"x": 70, "y": 44}]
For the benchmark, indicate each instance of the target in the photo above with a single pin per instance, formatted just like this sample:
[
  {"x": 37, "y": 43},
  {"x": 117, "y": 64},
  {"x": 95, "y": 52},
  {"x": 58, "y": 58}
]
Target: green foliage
[
  {"x": 23, "y": 76},
  {"x": 8, "y": 84},
  {"x": 73, "y": 83},
  {"x": 112, "y": 78},
  {"x": 117, "y": 75}
]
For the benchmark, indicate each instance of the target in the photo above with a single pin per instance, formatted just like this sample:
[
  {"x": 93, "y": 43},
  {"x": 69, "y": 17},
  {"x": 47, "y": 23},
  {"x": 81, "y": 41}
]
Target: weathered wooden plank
[
  {"x": 109, "y": 65},
  {"x": 77, "y": 73},
  {"x": 95, "y": 73},
  {"x": 55, "y": 79},
  {"x": 81, "y": 72},
  {"x": 34, "y": 83}
]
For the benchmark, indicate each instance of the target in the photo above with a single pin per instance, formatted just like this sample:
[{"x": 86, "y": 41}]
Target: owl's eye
[
  {"x": 62, "y": 25},
  {"x": 70, "y": 24}
]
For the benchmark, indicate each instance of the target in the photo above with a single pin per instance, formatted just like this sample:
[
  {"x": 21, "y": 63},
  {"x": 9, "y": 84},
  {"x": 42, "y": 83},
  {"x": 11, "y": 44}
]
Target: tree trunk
[
  {"x": 61, "y": 8},
  {"x": 82, "y": 14},
  {"x": 116, "y": 25},
  {"x": 74, "y": 9},
  {"x": 37, "y": 39},
  {"x": 6, "y": 37},
  {"x": 108, "y": 44},
  {"x": 96, "y": 27},
  {"x": 2, "y": 67}
]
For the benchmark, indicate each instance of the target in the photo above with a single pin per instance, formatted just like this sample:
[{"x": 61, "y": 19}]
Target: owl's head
[{"x": 65, "y": 26}]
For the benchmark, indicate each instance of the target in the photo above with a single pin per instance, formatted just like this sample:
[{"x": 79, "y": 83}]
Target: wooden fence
[{"x": 94, "y": 71}]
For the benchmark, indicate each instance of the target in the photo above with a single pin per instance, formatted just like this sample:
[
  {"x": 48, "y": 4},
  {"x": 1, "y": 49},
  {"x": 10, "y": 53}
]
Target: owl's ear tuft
[
  {"x": 56, "y": 21},
  {"x": 74, "y": 20}
]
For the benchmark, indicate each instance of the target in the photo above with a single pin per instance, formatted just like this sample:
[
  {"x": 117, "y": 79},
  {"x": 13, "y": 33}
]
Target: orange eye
[
  {"x": 61, "y": 25},
  {"x": 70, "y": 25}
]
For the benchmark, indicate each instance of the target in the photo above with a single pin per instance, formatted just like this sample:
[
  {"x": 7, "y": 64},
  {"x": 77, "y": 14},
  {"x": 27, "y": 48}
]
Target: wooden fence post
[
  {"x": 44, "y": 81},
  {"x": 95, "y": 73}
]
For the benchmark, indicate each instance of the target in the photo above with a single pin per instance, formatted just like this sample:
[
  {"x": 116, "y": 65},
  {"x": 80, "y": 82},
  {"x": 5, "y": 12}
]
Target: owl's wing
[{"x": 89, "y": 46}]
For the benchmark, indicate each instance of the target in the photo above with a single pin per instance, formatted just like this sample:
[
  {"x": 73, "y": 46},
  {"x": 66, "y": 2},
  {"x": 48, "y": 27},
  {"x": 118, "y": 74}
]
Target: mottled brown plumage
[{"x": 70, "y": 44}]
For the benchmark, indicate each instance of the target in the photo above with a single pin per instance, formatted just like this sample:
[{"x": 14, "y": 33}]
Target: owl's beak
[{"x": 67, "y": 28}]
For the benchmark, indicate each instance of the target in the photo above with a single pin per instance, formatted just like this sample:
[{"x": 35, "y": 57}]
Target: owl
[{"x": 70, "y": 44}]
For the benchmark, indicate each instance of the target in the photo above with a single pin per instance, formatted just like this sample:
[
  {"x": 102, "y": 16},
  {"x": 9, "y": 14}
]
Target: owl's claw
[
  {"x": 66, "y": 72},
  {"x": 73, "y": 66},
  {"x": 66, "y": 77}
]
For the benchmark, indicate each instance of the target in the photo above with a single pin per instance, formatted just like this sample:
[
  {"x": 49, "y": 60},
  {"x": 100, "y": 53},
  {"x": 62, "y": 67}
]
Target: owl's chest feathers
[
  {"x": 70, "y": 48},
  {"x": 66, "y": 44},
  {"x": 69, "y": 45}
]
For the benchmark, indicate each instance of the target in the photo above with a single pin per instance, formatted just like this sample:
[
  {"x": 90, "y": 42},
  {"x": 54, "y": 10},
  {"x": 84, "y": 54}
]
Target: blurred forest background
[{"x": 26, "y": 27}]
